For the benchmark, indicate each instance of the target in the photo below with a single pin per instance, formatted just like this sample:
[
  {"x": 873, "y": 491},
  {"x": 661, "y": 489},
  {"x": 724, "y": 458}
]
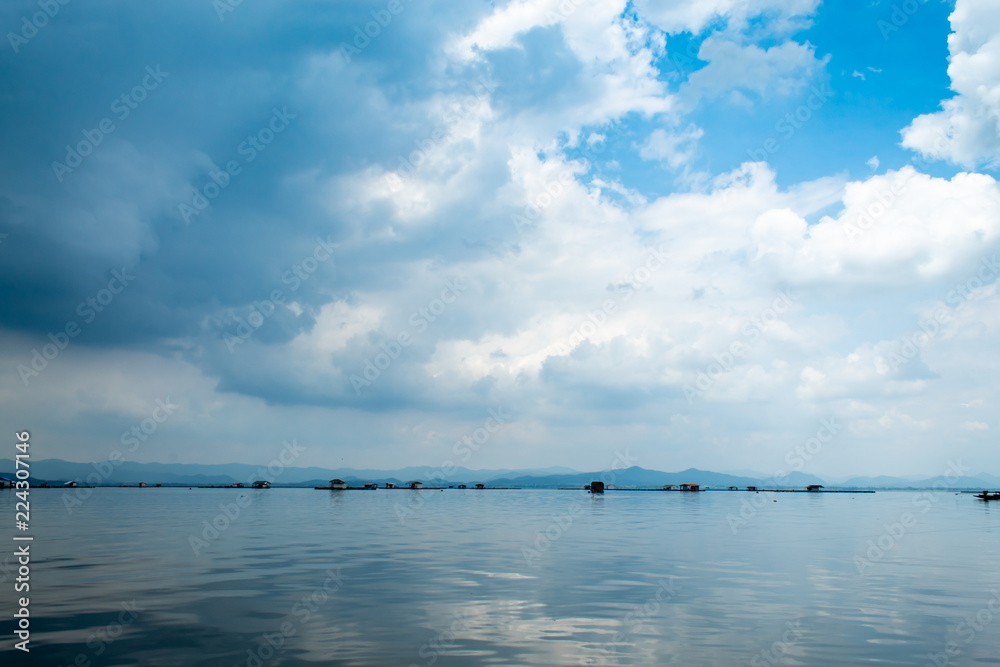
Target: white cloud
[
  {"x": 676, "y": 16},
  {"x": 675, "y": 148},
  {"x": 617, "y": 56},
  {"x": 967, "y": 129},
  {"x": 783, "y": 69},
  {"x": 896, "y": 228}
]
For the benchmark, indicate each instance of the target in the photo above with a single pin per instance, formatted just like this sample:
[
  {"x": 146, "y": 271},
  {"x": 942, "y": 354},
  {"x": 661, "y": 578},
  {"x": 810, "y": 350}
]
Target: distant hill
[
  {"x": 636, "y": 477},
  {"x": 190, "y": 474},
  {"x": 885, "y": 482}
]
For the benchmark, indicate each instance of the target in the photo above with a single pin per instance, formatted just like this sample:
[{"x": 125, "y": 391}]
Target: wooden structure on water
[{"x": 749, "y": 489}]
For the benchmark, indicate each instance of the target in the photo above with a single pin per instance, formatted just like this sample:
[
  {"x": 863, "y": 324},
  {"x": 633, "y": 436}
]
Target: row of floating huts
[
  {"x": 339, "y": 484},
  {"x": 599, "y": 487}
]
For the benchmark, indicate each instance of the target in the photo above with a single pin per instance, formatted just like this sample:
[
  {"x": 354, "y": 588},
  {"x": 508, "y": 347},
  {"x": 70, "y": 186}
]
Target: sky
[{"x": 728, "y": 235}]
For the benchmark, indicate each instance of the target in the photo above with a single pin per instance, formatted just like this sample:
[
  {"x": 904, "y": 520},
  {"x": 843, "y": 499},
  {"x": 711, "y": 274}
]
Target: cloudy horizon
[{"x": 706, "y": 233}]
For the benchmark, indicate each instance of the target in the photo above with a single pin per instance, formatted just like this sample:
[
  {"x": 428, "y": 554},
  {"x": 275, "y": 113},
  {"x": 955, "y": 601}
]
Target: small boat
[{"x": 986, "y": 495}]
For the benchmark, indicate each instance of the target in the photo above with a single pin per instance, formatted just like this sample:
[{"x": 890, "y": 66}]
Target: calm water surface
[{"x": 466, "y": 577}]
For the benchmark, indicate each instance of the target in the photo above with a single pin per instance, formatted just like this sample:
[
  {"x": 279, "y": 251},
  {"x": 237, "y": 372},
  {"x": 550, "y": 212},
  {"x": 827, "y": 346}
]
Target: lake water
[{"x": 466, "y": 577}]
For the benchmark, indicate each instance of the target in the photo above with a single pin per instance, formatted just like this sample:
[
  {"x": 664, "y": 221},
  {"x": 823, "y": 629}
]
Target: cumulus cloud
[
  {"x": 492, "y": 234},
  {"x": 966, "y": 130},
  {"x": 734, "y": 69},
  {"x": 675, "y": 16},
  {"x": 612, "y": 72},
  {"x": 898, "y": 228},
  {"x": 674, "y": 148}
]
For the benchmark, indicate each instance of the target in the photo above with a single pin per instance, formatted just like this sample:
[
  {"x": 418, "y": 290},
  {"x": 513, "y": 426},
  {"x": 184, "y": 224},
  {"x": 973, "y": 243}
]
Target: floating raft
[{"x": 612, "y": 488}]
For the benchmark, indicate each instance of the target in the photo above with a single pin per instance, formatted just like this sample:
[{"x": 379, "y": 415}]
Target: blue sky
[{"x": 689, "y": 229}]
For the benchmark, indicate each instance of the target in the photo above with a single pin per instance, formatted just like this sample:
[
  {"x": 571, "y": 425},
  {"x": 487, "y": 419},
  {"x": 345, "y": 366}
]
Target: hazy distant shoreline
[{"x": 56, "y": 472}]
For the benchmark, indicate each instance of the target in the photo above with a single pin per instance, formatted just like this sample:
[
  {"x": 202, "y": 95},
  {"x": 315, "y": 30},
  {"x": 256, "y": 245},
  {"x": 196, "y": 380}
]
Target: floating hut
[
  {"x": 262, "y": 484},
  {"x": 669, "y": 487},
  {"x": 751, "y": 488},
  {"x": 480, "y": 486},
  {"x": 690, "y": 487},
  {"x": 338, "y": 484},
  {"x": 597, "y": 487},
  {"x": 371, "y": 486},
  {"x": 4, "y": 483},
  {"x": 416, "y": 484},
  {"x": 462, "y": 486},
  {"x": 814, "y": 488},
  {"x": 732, "y": 488},
  {"x": 390, "y": 485},
  {"x": 70, "y": 485}
]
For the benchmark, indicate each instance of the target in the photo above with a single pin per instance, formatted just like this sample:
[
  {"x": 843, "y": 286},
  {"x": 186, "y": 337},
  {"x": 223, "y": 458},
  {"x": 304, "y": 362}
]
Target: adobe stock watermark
[
  {"x": 31, "y": 24},
  {"x": 363, "y": 35},
  {"x": 641, "y": 614},
  {"x": 989, "y": 269},
  {"x": 875, "y": 210},
  {"x": 431, "y": 649},
  {"x": 967, "y": 631},
  {"x": 465, "y": 108},
  {"x": 249, "y": 149},
  {"x": 560, "y": 524},
  {"x": 928, "y": 329},
  {"x": 685, "y": 62},
  {"x": 792, "y": 122},
  {"x": 797, "y": 457},
  {"x": 260, "y": 311},
  {"x": 230, "y": 512},
  {"x": 911, "y": 344},
  {"x": 774, "y": 654},
  {"x": 100, "y": 641},
  {"x": 751, "y": 331},
  {"x": 132, "y": 438},
  {"x": 464, "y": 447},
  {"x": 553, "y": 189},
  {"x": 223, "y": 7},
  {"x": 900, "y": 15},
  {"x": 597, "y": 318},
  {"x": 121, "y": 107},
  {"x": 550, "y": 192},
  {"x": 893, "y": 533},
  {"x": 887, "y": 197},
  {"x": 88, "y": 309},
  {"x": 270, "y": 644},
  {"x": 420, "y": 320}
]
